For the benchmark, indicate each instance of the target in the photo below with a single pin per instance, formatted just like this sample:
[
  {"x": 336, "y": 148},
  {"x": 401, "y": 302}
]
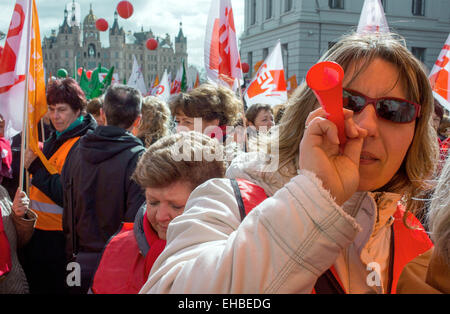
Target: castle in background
[{"x": 77, "y": 45}]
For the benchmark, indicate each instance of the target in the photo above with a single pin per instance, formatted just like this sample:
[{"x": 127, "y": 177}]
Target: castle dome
[{"x": 90, "y": 18}]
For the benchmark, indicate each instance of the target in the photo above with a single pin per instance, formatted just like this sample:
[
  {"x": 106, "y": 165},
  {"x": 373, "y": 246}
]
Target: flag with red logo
[
  {"x": 373, "y": 19},
  {"x": 440, "y": 76},
  {"x": 154, "y": 84},
  {"x": 222, "y": 60},
  {"x": 22, "y": 57},
  {"x": 269, "y": 84},
  {"x": 180, "y": 83},
  {"x": 162, "y": 91}
]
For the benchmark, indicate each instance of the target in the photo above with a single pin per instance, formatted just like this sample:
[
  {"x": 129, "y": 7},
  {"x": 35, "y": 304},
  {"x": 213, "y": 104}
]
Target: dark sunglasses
[{"x": 392, "y": 109}]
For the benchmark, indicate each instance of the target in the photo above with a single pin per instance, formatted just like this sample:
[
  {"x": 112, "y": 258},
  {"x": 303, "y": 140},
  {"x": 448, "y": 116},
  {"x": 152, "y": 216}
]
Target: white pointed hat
[{"x": 373, "y": 19}]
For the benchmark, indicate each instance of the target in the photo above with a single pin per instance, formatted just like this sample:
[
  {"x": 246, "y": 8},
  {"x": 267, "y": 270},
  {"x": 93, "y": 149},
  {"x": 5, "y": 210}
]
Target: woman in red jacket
[{"x": 169, "y": 175}]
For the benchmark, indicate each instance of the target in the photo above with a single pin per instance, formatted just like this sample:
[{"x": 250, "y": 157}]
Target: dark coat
[{"x": 99, "y": 193}]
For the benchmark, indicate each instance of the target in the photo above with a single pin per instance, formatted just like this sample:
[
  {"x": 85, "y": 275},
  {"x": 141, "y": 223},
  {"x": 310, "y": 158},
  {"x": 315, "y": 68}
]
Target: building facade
[
  {"x": 78, "y": 45},
  {"x": 307, "y": 28}
]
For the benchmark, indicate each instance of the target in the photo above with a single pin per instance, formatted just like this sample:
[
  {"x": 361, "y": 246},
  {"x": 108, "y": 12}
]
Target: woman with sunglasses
[{"x": 332, "y": 217}]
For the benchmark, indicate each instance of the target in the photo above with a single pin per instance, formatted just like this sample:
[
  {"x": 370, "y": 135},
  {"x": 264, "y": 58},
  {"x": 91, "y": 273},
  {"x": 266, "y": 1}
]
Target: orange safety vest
[
  {"x": 407, "y": 243},
  {"x": 49, "y": 213}
]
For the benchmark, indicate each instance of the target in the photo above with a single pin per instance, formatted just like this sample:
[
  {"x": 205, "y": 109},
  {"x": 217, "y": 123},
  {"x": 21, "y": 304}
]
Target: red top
[{"x": 123, "y": 269}]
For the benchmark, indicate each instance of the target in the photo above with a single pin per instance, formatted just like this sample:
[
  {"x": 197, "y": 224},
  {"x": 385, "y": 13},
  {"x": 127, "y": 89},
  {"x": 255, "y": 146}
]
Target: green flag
[
  {"x": 84, "y": 84},
  {"x": 95, "y": 82},
  {"x": 184, "y": 84},
  {"x": 108, "y": 79}
]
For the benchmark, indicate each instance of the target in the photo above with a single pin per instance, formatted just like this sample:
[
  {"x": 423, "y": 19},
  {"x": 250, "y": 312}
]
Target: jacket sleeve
[
  {"x": 48, "y": 184},
  {"x": 24, "y": 227},
  {"x": 282, "y": 246},
  {"x": 135, "y": 194}
]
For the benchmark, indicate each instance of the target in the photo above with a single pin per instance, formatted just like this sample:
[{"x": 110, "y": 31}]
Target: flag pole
[
  {"x": 24, "y": 144},
  {"x": 244, "y": 120}
]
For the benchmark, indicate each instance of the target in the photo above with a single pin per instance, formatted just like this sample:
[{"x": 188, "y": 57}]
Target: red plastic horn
[{"x": 325, "y": 79}]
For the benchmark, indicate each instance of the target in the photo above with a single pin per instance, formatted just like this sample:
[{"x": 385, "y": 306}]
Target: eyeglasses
[{"x": 392, "y": 109}]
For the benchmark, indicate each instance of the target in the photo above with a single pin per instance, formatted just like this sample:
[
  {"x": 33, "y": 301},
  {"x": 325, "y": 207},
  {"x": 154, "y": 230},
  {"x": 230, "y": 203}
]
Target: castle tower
[
  {"x": 91, "y": 41},
  {"x": 181, "y": 46}
]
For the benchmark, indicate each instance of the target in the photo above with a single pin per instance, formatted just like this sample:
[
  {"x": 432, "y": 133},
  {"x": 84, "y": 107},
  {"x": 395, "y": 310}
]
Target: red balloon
[
  {"x": 245, "y": 67},
  {"x": 152, "y": 44},
  {"x": 89, "y": 74},
  {"x": 125, "y": 9},
  {"x": 101, "y": 25}
]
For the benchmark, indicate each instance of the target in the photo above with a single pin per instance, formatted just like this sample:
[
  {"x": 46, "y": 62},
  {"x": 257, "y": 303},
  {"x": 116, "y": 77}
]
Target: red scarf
[{"x": 157, "y": 245}]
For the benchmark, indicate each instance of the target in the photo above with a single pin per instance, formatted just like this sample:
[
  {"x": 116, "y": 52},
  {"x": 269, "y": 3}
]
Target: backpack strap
[
  {"x": 328, "y": 284},
  {"x": 238, "y": 195}
]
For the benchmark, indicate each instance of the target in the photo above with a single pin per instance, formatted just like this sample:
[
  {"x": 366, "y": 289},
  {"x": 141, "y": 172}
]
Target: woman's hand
[
  {"x": 21, "y": 204},
  {"x": 30, "y": 156},
  {"x": 320, "y": 153}
]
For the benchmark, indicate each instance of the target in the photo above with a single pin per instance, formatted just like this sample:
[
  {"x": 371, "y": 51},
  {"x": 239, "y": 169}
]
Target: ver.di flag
[
  {"x": 373, "y": 19},
  {"x": 22, "y": 56},
  {"x": 269, "y": 84},
  {"x": 222, "y": 60},
  {"x": 162, "y": 91},
  {"x": 180, "y": 83},
  {"x": 440, "y": 76},
  {"x": 136, "y": 79}
]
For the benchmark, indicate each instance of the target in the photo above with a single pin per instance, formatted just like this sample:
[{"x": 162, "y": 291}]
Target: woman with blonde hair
[
  {"x": 332, "y": 217},
  {"x": 155, "y": 122}
]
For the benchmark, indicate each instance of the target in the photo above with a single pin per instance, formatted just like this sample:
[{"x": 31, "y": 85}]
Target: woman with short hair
[
  {"x": 45, "y": 262},
  {"x": 216, "y": 106},
  {"x": 260, "y": 116},
  {"x": 168, "y": 172}
]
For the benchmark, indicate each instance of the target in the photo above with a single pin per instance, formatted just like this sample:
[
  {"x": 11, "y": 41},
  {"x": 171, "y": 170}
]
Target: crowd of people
[{"x": 149, "y": 197}]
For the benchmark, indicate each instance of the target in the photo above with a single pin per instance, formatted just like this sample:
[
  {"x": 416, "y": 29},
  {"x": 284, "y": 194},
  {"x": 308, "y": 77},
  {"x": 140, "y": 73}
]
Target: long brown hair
[{"x": 418, "y": 165}]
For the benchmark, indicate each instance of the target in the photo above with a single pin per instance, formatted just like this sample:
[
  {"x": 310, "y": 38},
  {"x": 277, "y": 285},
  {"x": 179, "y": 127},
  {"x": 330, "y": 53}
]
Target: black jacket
[
  {"x": 98, "y": 191},
  {"x": 49, "y": 184}
]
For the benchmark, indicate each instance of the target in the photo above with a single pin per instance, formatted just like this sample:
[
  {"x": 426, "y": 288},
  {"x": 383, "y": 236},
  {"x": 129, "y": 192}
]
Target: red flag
[{"x": 222, "y": 60}]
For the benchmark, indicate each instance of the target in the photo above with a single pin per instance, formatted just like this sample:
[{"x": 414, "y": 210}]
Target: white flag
[
  {"x": 13, "y": 68},
  {"x": 269, "y": 84},
  {"x": 162, "y": 91},
  {"x": 222, "y": 60},
  {"x": 136, "y": 79},
  {"x": 440, "y": 76},
  {"x": 373, "y": 19}
]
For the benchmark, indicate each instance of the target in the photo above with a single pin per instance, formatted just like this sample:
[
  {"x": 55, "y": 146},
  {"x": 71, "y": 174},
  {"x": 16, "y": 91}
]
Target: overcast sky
[{"x": 161, "y": 16}]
